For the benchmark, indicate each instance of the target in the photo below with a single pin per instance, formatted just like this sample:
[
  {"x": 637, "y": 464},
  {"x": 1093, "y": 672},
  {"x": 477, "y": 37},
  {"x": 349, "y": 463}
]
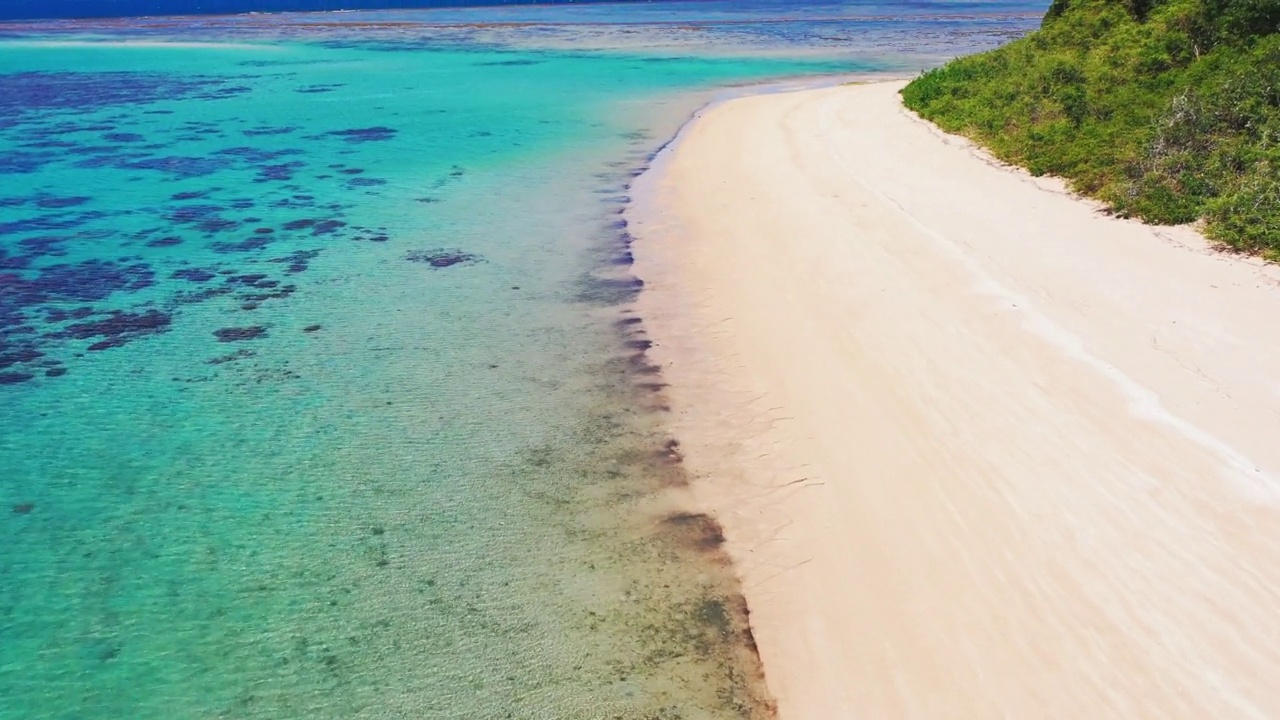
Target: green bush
[
  {"x": 1167, "y": 110},
  {"x": 1247, "y": 213}
]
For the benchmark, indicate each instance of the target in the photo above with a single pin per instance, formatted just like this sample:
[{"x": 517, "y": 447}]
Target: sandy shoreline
[{"x": 979, "y": 450}]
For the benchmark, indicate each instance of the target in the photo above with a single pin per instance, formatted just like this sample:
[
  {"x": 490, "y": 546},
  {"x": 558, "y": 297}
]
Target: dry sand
[{"x": 980, "y": 451}]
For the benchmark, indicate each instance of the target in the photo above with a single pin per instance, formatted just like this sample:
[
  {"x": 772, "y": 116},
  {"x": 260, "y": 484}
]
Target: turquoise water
[{"x": 321, "y": 398}]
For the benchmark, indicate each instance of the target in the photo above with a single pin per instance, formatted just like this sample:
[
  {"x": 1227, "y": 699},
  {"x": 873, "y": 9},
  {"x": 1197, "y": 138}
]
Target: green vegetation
[{"x": 1167, "y": 110}]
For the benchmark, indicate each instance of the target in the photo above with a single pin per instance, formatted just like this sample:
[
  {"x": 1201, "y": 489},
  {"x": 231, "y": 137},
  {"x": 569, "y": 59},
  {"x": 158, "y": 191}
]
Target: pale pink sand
[{"x": 980, "y": 451}]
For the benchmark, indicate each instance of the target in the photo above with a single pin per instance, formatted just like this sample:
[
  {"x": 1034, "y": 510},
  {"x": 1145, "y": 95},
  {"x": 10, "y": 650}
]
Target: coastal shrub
[
  {"x": 1248, "y": 214},
  {"x": 1167, "y": 110}
]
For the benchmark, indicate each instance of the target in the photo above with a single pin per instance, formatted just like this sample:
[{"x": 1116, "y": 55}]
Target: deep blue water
[
  {"x": 31, "y": 9},
  {"x": 34, "y": 9}
]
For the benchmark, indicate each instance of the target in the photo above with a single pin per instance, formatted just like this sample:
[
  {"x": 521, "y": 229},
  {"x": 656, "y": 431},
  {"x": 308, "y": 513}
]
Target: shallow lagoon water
[{"x": 320, "y": 394}]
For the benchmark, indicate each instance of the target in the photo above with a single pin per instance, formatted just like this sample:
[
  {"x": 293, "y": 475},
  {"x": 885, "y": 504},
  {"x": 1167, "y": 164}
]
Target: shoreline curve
[{"x": 978, "y": 449}]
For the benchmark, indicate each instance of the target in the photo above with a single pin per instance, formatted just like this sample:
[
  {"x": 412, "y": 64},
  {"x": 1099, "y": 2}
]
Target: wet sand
[{"x": 979, "y": 449}]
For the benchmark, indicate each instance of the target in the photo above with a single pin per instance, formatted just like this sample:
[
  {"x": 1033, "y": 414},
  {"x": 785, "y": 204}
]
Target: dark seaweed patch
[
  {"x": 442, "y": 257},
  {"x": 109, "y": 343},
  {"x": 199, "y": 296},
  {"x": 19, "y": 355},
  {"x": 232, "y": 357},
  {"x": 61, "y": 202},
  {"x": 291, "y": 203},
  {"x": 57, "y": 315},
  {"x": 327, "y": 227},
  {"x": 54, "y": 221},
  {"x": 85, "y": 281},
  {"x": 179, "y": 165},
  {"x": 193, "y": 274},
  {"x": 278, "y": 294},
  {"x": 251, "y": 279},
  {"x": 13, "y": 378},
  {"x": 257, "y": 242},
  {"x": 44, "y": 245},
  {"x": 298, "y": 260},
  {"x": 278, "y": 173},
  {"x": 22, "y": 163},
  {"x": 111, "y": 151},
  {"x": 699, "y": 529},
  {"x": 13, "y": 262},
  {"x": 639, "y": 364},
  {"x": 265, "y": 130},
  {"x": 216, "y": 225},
  {"x": 258, "y": 156},
  {"x": 235, "y": 334},
  {"x": 193, "y": 214},
  {"x": 50, "y": 144},
  {"x": 120, "y": 324},
  {"x": 44, "y": 301},
  {"x": 363, "y": 135},
  {"x": 96, "y": 234},
  {"x": 315, "y": 89},
  {"x": 508, "y": 63},
  {"x": 27, "y": 93},
  {"x": 609, "y": 291},
  {"x": 107, "y": 161},
  {"x": 218, "y": 93}
]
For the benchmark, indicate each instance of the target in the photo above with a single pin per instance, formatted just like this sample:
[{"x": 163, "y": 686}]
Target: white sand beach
[{"x": 979, "y": 450}]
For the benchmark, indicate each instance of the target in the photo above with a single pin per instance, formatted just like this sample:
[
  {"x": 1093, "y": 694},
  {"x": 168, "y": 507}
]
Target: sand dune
[{"x": 980, "y": 450}]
